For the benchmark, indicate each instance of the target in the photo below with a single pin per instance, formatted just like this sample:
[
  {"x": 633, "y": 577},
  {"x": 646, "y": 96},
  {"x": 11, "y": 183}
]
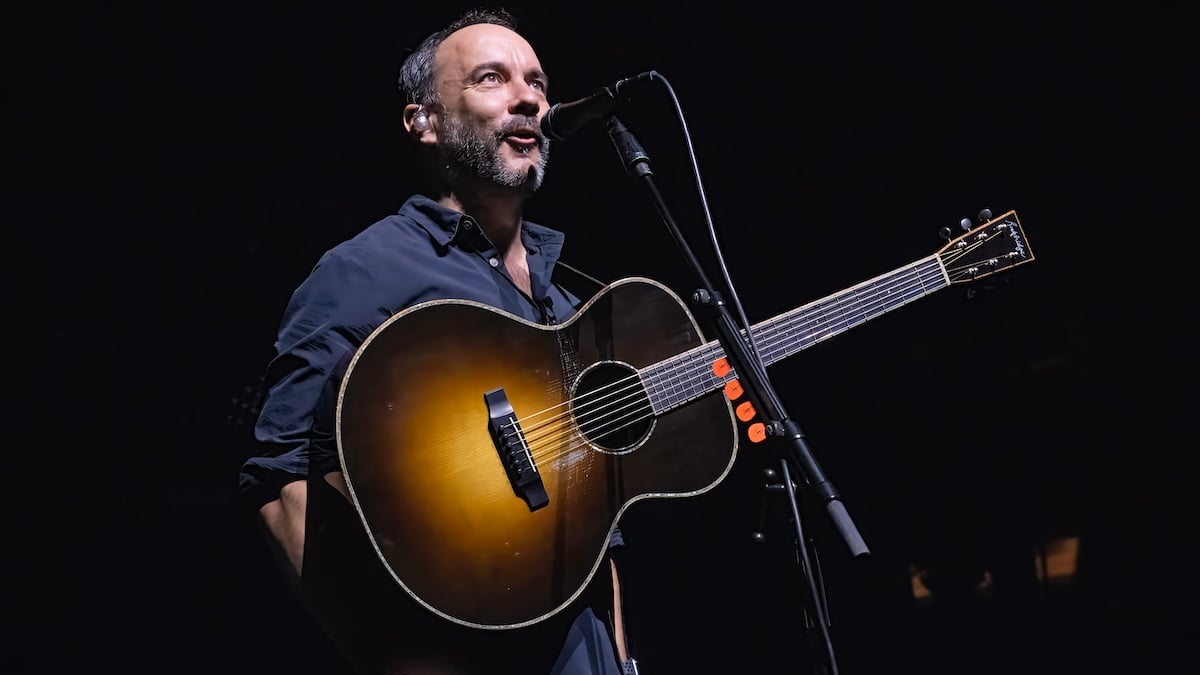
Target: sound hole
[{"x": 612, "y": 408}]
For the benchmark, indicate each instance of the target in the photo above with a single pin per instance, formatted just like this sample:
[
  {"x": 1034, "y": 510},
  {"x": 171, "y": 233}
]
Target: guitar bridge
[{"x": 514, "y": 451}]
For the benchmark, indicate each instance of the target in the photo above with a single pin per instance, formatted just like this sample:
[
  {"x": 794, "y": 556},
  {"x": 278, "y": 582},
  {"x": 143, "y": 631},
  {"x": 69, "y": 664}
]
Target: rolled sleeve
[{"x": 320, "y": 331}]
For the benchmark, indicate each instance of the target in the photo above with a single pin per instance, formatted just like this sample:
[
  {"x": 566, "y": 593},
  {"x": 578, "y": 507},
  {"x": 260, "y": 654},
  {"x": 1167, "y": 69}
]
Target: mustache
[{"x": 521, "y": 123}]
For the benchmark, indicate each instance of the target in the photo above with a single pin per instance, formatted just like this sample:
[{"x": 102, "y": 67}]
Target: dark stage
[{"x": 179, "y": 167}]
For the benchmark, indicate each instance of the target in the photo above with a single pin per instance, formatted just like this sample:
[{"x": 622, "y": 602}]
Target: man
[{"x": 476, "y": 92}]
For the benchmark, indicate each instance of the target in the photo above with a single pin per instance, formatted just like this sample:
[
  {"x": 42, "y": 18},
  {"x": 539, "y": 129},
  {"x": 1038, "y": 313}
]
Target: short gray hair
[{"x": 416, "y": 73}]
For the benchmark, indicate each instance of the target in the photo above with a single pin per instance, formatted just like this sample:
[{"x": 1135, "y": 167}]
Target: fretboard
[{"x": 675, "y": 381}]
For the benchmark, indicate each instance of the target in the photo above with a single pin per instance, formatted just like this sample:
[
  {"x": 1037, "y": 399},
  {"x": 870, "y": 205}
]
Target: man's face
[{"x": 493, "y": 92}]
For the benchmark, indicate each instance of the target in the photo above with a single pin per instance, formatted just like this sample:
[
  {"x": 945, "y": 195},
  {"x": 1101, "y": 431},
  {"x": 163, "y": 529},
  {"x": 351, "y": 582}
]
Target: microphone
[{"x": 562, "y": 120}]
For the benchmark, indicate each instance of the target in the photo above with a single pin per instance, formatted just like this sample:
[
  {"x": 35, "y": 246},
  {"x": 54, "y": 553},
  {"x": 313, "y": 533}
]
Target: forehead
[{"x": 474, "y": 45}]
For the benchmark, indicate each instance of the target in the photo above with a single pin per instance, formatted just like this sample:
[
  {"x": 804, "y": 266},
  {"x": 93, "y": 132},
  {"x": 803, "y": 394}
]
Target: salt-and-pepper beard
[{"x": 471, "y": 154}]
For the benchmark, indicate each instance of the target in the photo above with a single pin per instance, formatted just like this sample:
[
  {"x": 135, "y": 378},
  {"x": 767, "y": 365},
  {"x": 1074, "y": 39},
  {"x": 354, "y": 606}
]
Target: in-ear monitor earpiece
[{"x": 421, "y": 120}]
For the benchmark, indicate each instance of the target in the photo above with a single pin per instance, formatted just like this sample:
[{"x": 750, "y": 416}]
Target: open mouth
[{"x": 523, "y": 137}]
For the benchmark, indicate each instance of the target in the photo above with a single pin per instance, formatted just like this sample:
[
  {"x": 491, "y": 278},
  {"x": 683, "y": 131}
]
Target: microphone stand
[{"x": 777, "y": 423}]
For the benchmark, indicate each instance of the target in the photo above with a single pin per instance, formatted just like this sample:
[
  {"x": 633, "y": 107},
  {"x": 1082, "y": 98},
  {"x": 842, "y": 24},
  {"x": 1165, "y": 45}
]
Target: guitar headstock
[{"x": 995, "y": 246}]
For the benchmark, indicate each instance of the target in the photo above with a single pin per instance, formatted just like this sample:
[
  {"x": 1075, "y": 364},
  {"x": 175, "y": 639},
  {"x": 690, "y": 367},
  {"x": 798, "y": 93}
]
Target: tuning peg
[
  {"x": 985, "y": 215},
  {"x": 944, "y": 233},
  {"x": 965, "y": 224}
]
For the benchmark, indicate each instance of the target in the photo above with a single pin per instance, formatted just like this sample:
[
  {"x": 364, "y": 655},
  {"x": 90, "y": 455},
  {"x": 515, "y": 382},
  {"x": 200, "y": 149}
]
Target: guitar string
[
  {"x": 629, "y": 399},
  {"x": 610, "y": 416},
  {"x": 670, "y": 378},
  {"x": 694, "y": 369},
  {"x": 633, "y": 393},
  {"x": 953, "y": 272}
]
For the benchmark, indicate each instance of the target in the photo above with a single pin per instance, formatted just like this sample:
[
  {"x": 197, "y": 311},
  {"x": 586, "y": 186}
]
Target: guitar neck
[{"x": 675, "y": 381}]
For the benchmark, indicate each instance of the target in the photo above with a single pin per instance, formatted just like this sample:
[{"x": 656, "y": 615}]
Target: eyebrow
[{"x": 499, "y": 65}]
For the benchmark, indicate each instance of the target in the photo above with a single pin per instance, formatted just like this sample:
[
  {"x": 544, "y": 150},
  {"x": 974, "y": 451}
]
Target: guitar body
[
  {"x": 426, "y": 476},
  {"x": 489, "y": 458}
]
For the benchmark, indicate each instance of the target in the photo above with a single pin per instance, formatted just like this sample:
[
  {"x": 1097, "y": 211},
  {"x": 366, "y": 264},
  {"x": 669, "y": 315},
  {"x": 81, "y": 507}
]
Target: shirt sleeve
[{"x": 321, "y": 329}]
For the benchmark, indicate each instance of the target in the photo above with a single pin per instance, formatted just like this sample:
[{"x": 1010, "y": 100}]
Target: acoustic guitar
[{"x": 490, "y": 458}]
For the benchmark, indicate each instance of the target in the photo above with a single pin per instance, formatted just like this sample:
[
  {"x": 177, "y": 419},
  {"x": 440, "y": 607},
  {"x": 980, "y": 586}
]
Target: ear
[{"x": 418, "y": 124}]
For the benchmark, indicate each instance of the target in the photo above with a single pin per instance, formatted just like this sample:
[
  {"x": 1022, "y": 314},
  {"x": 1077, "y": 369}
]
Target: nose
[{"x": 528, "y": 100}]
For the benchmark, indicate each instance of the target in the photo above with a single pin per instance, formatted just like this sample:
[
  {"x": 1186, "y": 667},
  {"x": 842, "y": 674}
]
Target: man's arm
[
  {"x": 618, "y": 618},
  {"x": 284, "y": 519}
]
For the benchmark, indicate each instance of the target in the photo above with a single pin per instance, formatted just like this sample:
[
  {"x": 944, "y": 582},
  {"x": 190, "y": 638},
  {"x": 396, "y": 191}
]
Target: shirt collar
[{"x": 444, "y": 225}]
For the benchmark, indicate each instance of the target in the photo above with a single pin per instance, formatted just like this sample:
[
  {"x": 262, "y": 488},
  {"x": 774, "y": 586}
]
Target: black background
[{"x": 179, "y": 167}]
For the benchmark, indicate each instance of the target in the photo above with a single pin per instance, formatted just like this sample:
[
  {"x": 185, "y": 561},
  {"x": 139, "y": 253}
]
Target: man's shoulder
[
  {"x": 407, "y": 222},
  {"x": 541, "y": 231},
  {"x": 386, "y": 236}
]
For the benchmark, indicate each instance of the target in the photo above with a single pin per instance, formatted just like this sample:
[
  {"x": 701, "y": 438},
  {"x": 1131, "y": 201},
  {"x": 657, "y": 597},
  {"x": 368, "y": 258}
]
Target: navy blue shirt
[{"x": 424, "y": 252}]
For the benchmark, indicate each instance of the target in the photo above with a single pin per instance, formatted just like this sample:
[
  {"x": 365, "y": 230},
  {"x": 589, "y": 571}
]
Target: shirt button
[
  {"x": 494, "y": 262},
  {"x": 468, "y": 224}
]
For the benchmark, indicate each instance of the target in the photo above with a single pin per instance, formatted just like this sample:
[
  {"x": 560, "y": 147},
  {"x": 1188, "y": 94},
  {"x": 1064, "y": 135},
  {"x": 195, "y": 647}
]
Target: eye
[
  {"x": 540, "y": 85},
  {"x": 490, "y": 77}
]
